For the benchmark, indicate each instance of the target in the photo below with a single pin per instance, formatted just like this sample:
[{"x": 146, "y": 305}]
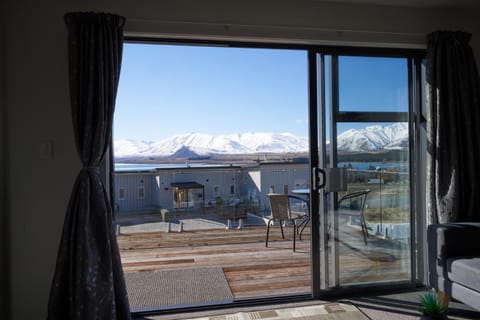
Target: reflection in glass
[{"x": 372, "y": 229}]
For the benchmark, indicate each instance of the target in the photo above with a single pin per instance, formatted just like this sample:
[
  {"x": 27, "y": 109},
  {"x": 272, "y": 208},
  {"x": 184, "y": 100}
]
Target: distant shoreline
[{"x": 296, "y": 157}]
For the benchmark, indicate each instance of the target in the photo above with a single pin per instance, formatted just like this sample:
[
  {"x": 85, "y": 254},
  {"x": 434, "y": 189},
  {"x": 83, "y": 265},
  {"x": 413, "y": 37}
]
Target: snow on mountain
[
  {"x": 271, "y": 142},
  {"x": 125, "y": 148},
  {"x": 203, "y": 144},
  {"x": 374, "y": 138},
  {"x": 371, "y": 138},
  {"x": 200, "y": 143}
]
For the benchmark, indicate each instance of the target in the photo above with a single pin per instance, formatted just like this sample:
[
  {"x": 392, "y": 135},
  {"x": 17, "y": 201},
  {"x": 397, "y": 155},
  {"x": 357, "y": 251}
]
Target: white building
[{"x": 195, "y": 186}]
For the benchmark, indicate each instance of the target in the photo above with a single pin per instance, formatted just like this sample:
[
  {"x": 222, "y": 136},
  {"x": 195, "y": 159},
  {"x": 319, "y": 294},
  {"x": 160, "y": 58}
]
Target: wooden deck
[{"x": 253, "y": 270}]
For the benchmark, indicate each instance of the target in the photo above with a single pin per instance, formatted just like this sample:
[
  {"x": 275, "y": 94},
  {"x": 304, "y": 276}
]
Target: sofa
[{"x": 454, "y": 261}]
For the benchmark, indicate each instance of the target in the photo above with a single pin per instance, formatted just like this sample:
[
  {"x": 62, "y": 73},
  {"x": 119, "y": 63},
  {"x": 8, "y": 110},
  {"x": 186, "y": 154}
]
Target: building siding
[
  {"x": 249, "y": 185},
  {"x": 131, "y": 182}
]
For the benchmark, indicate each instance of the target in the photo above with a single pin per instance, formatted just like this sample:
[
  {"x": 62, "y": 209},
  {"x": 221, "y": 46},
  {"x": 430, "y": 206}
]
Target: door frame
[{"x": 317, "y": 125}]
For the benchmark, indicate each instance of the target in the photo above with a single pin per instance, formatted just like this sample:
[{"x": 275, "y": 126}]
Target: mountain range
[
  {"x": 375, "y": 138},
  {"x": 191, "y": 145}
]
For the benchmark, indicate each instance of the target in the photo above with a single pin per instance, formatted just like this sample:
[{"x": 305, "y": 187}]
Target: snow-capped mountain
[
  {"x": 203, "y": 144},
  {"x": 374, "y": 138},
  {"x": 371, "y": 138}
]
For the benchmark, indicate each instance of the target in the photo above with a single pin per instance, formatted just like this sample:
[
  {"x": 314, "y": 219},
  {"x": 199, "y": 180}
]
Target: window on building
[
  {"x": 140, "y": 192},
  {"x": 121, "y": 193}
]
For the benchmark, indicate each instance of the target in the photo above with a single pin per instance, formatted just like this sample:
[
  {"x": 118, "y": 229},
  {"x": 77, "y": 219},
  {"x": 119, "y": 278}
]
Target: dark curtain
[
  {"x": 453, "y": 129},
  {"x": 88, "y": 281}
]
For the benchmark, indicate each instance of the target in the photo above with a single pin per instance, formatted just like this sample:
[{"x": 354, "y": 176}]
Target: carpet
[
  {"x": 329, "y": 311},
  {"x": 147, "y": 290}
]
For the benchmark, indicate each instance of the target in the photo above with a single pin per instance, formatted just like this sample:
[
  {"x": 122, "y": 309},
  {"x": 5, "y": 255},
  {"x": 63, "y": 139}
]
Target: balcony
[{"x": 251, "y": 269}]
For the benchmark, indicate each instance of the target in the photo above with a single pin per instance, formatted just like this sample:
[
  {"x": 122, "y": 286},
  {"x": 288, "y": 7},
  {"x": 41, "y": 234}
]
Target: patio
[{"x": 251, "y": 269}]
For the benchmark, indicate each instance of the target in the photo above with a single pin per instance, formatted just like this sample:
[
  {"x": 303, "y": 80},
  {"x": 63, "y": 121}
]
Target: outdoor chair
[
  {"x": 236, "y": 212},
  {"x": 282, "y": 210},
  {"x": 355, "y": 208}
]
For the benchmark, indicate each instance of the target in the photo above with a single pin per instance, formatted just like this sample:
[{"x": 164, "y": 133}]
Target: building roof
[{"x": 187, "y": 185}]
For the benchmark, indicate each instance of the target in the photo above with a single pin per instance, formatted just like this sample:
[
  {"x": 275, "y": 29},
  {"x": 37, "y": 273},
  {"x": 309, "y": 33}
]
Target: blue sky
[{"x": 166, "y": 90}]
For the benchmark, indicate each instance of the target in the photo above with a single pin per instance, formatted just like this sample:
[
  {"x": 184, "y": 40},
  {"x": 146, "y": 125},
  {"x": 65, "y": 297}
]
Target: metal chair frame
[
  {"x": 363, "y": 194},
  {"x": 281, "y": 210}
]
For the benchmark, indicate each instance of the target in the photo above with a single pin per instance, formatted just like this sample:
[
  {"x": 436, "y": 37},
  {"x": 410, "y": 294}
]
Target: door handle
[{"x": 316, "y": 184}]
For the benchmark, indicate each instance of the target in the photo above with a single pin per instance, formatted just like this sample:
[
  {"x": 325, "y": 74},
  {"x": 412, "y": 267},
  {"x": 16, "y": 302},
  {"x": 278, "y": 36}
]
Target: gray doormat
[{"x": 150, "y": 290}]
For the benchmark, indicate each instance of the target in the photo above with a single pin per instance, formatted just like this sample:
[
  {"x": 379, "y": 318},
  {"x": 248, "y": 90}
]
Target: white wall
[{"x": 38, "y": 111}]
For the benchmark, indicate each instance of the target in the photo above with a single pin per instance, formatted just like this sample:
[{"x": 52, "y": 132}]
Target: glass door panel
[
  {"x": 384, "y": 84},
  {"x": 367, "y": 218},
  {"x": 370, "y": 220},
  {"x": 210, "y": 131}
]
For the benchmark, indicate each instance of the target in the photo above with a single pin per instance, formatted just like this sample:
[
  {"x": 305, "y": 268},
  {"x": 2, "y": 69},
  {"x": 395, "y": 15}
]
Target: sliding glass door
[
  {"x": 365, "y": 150},
  {"x": 208, "y": 133}
]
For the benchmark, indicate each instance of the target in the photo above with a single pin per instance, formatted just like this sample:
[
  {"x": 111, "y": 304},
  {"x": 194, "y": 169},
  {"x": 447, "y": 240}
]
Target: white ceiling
[{"x": 417, "y": 3}]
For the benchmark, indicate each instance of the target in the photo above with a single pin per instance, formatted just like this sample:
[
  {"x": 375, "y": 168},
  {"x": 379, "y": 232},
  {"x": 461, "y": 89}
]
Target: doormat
[
  {"x": 149, "y": 290},
  {"x": 329, "y": 311}
]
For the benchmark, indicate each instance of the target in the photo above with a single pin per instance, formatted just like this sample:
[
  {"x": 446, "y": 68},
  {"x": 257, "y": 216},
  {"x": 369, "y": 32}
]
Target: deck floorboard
[{"x": 251, "y": 269}]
